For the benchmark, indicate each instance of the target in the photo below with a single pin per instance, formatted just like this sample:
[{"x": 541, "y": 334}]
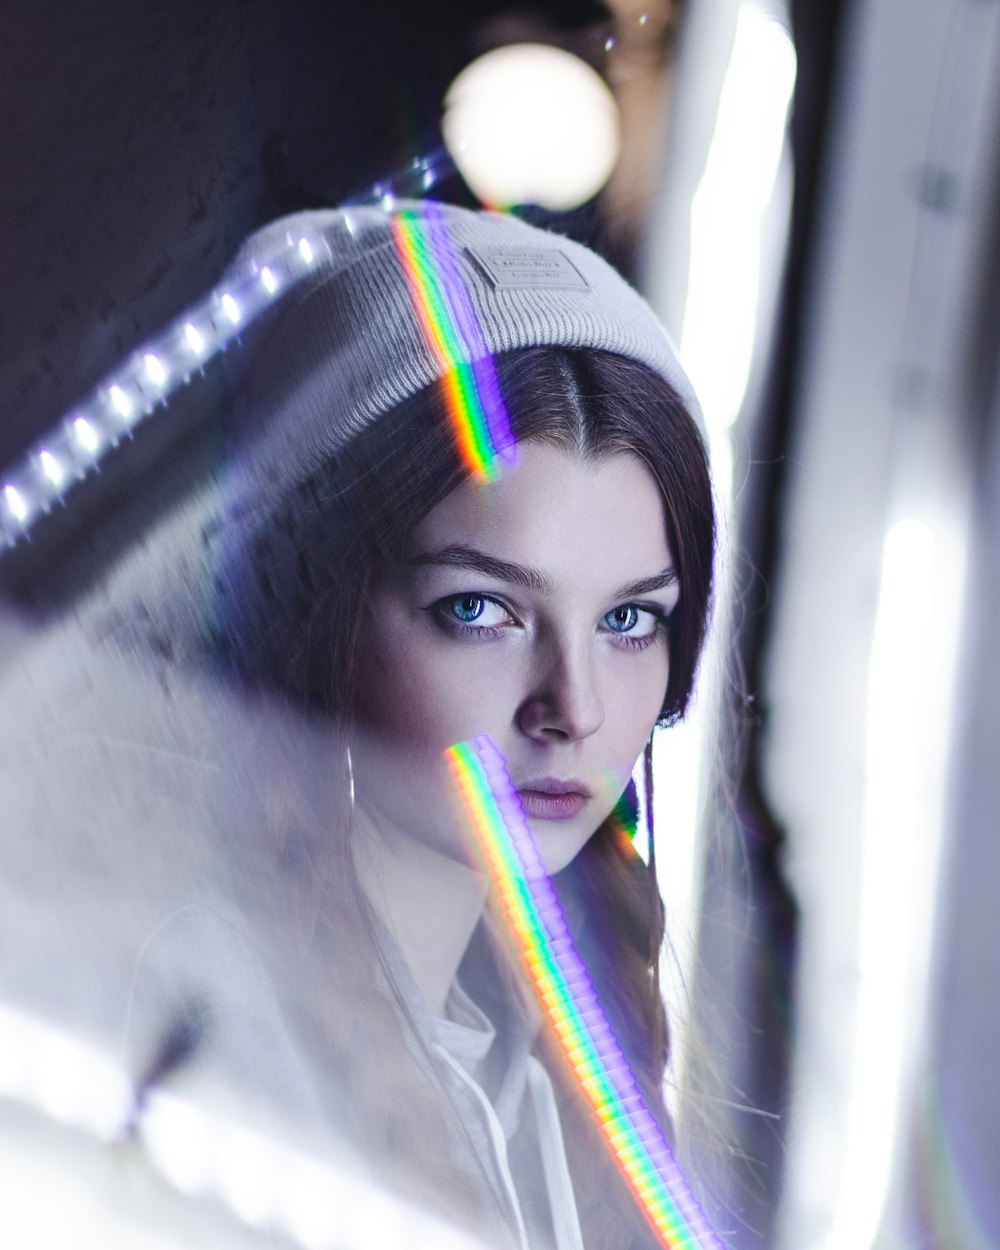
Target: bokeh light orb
[{"x": 532, "y": 124}]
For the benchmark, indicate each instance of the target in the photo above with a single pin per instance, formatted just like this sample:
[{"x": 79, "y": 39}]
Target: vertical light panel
[
  {"x": 720, "y": 313},
  {"x": 717, "y": 340},
  {"x": 912, "y": 652}
]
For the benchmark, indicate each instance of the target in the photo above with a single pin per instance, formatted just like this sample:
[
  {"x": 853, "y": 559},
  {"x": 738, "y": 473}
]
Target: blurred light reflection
[
  {"x": 60, "y": 1075},
  {"x": 900, "y": 851},
  {"x": 532, "y": 124},
  {"x": 200, "y": 1153},
  {"x": 720, "y": 314}
]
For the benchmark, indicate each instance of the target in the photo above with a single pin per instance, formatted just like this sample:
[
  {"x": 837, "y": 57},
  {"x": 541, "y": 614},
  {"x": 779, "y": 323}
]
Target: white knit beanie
[{"x": 349, "y": 342}]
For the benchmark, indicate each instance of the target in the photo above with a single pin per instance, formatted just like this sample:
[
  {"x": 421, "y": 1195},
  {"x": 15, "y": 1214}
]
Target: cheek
[
  {"x": 640, "y": 687},
  {"x": 426, "y": 694},
  {"x": 454, "y": 697}
]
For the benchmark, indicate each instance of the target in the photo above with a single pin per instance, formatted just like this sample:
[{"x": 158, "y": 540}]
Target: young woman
[{"x": 361, "y": 570}]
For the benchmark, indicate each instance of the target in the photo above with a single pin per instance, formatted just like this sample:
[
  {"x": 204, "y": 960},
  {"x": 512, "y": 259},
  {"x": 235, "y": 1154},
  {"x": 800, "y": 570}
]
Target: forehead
[{"x": 567, "y": 516}]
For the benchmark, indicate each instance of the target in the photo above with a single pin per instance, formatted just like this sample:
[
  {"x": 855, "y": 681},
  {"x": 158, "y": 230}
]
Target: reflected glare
[{"x": 720, "y": 315}]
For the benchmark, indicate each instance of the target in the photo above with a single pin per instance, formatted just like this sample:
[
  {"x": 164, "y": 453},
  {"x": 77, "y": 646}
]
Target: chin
[{"x": 557, "y": 844}]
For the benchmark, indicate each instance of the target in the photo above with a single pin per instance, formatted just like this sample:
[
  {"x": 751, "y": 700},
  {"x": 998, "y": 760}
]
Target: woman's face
[{"x": 531, "y": 609}]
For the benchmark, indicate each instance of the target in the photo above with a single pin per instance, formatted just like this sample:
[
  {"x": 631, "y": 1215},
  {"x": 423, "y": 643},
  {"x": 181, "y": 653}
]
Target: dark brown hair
[{"x": 351, "y": 519}]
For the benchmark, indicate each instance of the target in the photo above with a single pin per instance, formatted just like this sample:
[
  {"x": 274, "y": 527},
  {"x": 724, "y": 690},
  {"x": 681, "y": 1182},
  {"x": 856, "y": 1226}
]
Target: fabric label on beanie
[{"x": 508, "y": 268}]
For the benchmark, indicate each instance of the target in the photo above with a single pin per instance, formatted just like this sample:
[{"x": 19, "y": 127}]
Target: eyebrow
[
  {"x": 458, "y": 556},
  {"x": 659, "y": 581}
]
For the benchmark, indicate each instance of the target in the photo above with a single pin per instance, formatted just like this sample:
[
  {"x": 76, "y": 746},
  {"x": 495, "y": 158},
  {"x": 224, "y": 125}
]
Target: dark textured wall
[{"x": 139, "y": 142}]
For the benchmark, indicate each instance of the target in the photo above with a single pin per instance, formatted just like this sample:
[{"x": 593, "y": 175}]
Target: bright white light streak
[
  {"x": 306, "y": 251},
  {"x": 313, "y": 1209},
  {"x": 262, "y": 1180},
  {"x": 51, "y": 467},
  {"x": 720, "y": 314},
  {"x": 265, "y": 1182},
  {"x": 85, "y": 435},
  {"x": 246, "y": 1178},
  {"x": 895, "y": 803},
  {"x": 61, "y": 1075},
  {"x": 194, "y": 338},
  {"x": 677, "y": 790},
  {"x": 387, "y": 1225},
  {"x": 181, "y": 1142},
  {"x": 156, "y": 371},
  {"x": 16, "y": 503},
  {"x": 120, "y": 401},
  {"x": 267, "y": 280},
  {"x": 230, "y": 308}
]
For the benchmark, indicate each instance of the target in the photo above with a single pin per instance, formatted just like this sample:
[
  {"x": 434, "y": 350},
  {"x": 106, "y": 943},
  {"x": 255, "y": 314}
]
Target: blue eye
[
  {"x": 633, "y": 626},
  {"x": 467, "y": 608},
  {"x": 622, "y": 620},
  {"x": 472, "y": 615}
]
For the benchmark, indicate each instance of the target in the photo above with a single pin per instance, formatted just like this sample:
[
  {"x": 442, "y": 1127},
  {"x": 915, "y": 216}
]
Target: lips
[{"x": 549, "y": 798}]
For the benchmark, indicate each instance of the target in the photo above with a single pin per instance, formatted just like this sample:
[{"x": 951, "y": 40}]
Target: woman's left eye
[{"x": 638, "y": 626}]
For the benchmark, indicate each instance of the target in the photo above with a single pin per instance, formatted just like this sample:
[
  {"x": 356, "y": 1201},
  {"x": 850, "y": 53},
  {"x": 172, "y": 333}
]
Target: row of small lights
[
  {"x": 200, "y": 1154},
  {"x": 157, "y": 370},
  {"x": 148, "y": 378}
]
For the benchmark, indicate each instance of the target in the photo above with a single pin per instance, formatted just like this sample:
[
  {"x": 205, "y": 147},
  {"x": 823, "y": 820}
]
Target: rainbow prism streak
[
  {"x": 567, "y": 995},
  {"x": 451, "y": 328}
]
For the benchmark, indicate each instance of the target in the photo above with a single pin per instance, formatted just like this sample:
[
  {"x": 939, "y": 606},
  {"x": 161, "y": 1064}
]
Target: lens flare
[
  {"x": 451, "y": 328},
  {"x": 567, "y": 996}
]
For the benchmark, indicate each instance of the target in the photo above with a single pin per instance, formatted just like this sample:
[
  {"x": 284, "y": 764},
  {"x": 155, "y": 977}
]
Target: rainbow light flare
[
  {"x": 624, "y": 818},
  {"x": 452, "y": 331},
  {"x": 567, "y": 995}
]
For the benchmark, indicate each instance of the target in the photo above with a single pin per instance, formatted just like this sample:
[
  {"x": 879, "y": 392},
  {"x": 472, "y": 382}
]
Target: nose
[{"x": 565, "y": 703}]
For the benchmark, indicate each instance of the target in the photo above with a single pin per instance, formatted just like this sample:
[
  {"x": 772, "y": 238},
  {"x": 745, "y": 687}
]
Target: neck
[{"x": 427, "y": 900}]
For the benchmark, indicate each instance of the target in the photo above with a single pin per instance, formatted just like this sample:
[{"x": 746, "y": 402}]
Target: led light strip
[
  {"x": 449, "y": 322},
  {"x": 154, "y": 372},
  {"x": 147, "y": 378},
  {"x": 566, "y": 993}
]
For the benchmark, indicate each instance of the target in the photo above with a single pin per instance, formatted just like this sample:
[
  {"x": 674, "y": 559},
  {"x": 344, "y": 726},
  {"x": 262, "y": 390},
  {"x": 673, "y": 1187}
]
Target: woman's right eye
[
  {"x": 467, "y": 608},
  {"x": 474, "y": 613}
]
